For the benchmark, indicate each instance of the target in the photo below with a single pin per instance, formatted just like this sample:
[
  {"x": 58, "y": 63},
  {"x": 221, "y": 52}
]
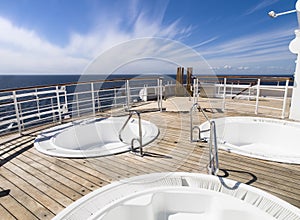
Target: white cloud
[
  {"x": 227, "y": 67},
  {"x": 25, "y": 51},
  {"x": 243, "y": 68},
  {"x": 148, "y": 55},
  {"x": 261, "y": 5},
  {"x": 204, "y": 42},
  {"x": 259, "y": 50}
]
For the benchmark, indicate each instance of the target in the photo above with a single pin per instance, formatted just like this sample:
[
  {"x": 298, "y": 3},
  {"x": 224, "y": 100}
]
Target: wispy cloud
[
  {"x": 261, "y": 5},
  {"x": 204, "y": 42},
  {"x": 252, "y": 51},
  {"x": 25, "y": 51}
]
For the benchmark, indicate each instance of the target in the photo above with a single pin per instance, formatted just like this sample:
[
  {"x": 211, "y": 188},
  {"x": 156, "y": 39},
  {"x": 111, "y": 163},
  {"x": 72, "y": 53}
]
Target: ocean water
[{"x": 21, "y": 81}]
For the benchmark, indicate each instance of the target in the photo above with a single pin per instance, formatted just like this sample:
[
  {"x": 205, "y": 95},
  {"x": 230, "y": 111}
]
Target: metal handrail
[
  {"x": 140, "y": 138},
  {"x": 197, "y": 127},
  {"x": 213, "y": 150},
  {"x": 213, "y": 166}
]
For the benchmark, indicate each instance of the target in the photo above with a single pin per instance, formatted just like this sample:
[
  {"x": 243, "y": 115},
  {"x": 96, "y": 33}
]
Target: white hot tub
[
  {"x": 179, "y": 196},
  {"x": 93, "y": 138},
  {"x": 263, "y": 138}
]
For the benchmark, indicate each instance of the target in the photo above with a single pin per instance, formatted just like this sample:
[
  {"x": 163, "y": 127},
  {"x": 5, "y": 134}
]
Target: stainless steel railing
[
  {"x": 255, "y": 89},
  {"x": 25, "y": 108},
  {"x": 193, "y": 127},
  {"x": 213, "y": 166},
  {"x": 138, "y": 139}
]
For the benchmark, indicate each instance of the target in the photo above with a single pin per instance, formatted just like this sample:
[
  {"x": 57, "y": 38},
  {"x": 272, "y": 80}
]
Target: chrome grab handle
[
  {"x": 213, "y": 166},
  {"x": 213, "y": 150},
  {"x": 140, "y": 138},
  {"x": 196, "y": 127}
]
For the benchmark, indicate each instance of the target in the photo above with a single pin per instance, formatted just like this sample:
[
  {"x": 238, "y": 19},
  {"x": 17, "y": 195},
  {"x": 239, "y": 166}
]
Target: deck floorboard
[{"x": 41, "y": 186}]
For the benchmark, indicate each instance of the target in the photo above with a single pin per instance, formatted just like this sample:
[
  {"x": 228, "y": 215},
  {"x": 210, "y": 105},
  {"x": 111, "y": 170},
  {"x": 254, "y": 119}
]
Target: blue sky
[{"x": 63, "y": 36}]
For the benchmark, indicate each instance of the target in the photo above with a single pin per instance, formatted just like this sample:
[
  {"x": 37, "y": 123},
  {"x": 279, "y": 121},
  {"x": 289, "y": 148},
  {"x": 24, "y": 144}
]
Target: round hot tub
[
  {"x": 263, "y": 138},
  {"x": 93, "y": 138},
  {"x": 179, "y": 196}
]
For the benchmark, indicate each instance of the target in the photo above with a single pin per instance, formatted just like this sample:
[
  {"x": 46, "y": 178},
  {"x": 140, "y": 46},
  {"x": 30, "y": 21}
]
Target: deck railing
[
  {"x": 24, "y": 108},
  {"x": 251, "y": 92}
]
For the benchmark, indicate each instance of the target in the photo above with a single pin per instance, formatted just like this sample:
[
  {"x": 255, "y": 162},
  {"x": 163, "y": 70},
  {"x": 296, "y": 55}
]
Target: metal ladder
[
  {"x": 213, "y": 166},
  {"x": 138, "y": 139}
]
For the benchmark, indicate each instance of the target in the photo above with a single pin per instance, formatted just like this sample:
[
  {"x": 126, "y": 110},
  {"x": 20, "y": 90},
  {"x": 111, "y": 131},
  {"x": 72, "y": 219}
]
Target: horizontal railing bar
[
  {"x": 266, "y": 78},
  {"x": 48, "y": 119},
  {"x": 8, "y": 122},
  {"x": 238, "y": 103},
  {"x": 7, "y": 97},
  {"x": 271, "y": 98},
  {"x": 38, "y": 114},
  {"x": 268, "y": 107}
]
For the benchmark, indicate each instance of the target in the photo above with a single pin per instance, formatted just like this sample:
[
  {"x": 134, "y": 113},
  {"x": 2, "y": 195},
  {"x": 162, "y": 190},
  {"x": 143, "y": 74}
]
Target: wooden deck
[{"x": 37, "y": 186}]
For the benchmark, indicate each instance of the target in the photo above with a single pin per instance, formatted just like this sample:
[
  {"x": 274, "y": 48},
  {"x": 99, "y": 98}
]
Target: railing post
[
  {"x": 159, "y": 93},
  {"x": 196, "y": 90},
  {"x": 224, "y": 94},
  {"x": 37, "y": 103},
  {"x": 257, "y": 96},
  {"x": 191, "y": 121},
  {"x": 249, "y": 92},
  {"x": 127, "y": 94},
  {"x": 77, "y": 105},
  {"x": 93, "y": 99},
  {"x": 58, "y": 104},
  {"x": 115, "y": 97},
  {"x": 17, "y": 112},
  {"x": 52, "y": 108},
  {"x": 66, "y": 97},
  {"x": 21, "y": 116},
  {"x": 285, "y": 98}
]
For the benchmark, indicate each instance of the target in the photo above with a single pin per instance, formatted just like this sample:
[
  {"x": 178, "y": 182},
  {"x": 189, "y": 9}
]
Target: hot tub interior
[{"x": 98, "y": 137}]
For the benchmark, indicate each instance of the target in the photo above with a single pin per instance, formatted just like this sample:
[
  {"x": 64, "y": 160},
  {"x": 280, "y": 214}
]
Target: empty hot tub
[
  {"x": 263, "y": 138},
  {"x": 93, "y": 138},
  {"x": 179, "y": 196}
]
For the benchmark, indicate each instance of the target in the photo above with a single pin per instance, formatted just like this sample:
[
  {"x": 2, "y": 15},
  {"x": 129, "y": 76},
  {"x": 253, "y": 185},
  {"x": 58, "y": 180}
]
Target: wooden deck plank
[
  {"x": 20, "y": 204},
  {"x": 171, "y": 152},
  {"x": 68, "y": 168},
  {"x": 49, "y": 181},
  {"x": 62, "y": 176},
  {"x": 5, "y": 214},
  {"x": 36, "y": 191}
]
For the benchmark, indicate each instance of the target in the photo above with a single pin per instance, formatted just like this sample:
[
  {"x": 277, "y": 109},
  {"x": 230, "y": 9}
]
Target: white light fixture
[{"x": 273, "y": 14}]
